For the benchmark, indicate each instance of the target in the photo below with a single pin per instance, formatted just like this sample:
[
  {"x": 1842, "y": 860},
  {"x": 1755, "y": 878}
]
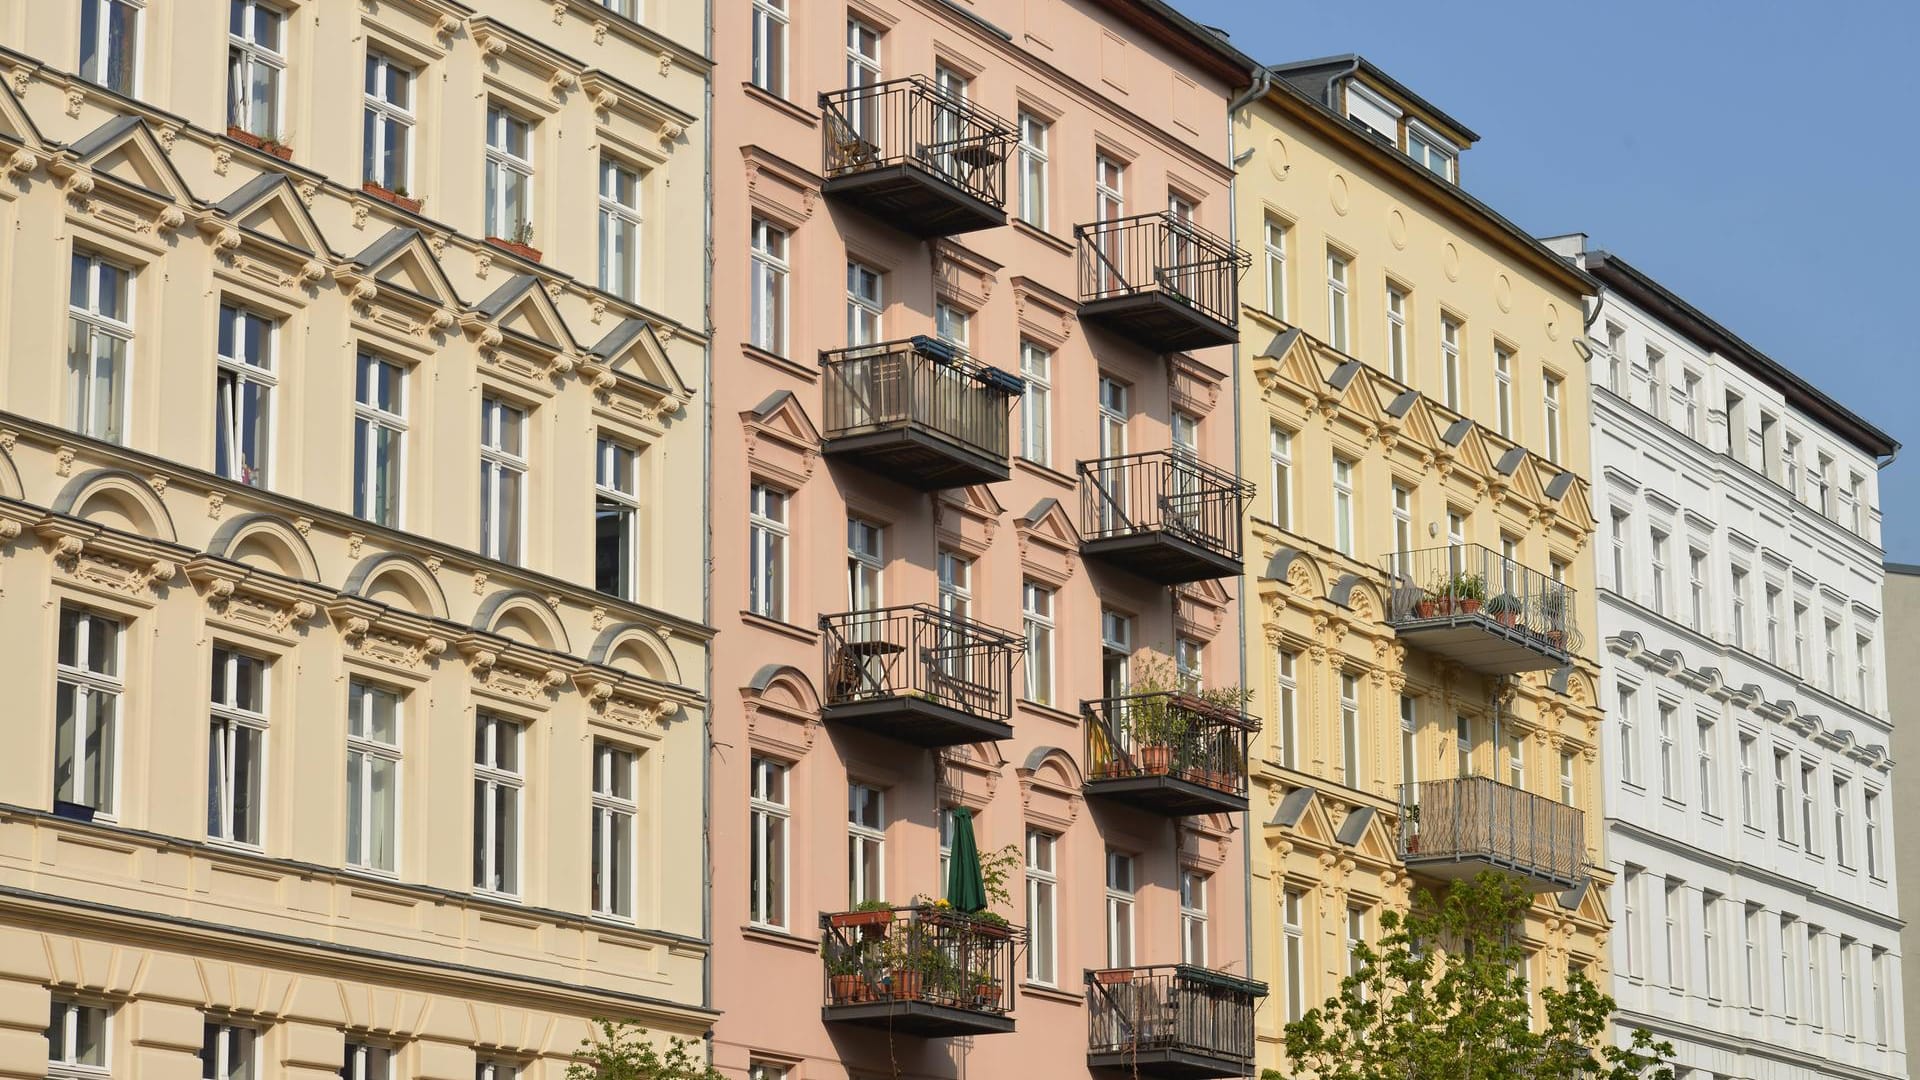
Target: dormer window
[
  {"x": 1373, "y": 112},
  {"x": 1433, "y": 153}
]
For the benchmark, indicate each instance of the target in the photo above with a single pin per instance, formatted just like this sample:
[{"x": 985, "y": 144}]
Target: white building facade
[{"x": 1747, "y": 773}]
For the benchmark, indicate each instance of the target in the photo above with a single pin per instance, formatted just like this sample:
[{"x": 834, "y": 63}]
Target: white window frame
[
  {"x": 1450, "y": 369},
  {"x": 1625, "y": 723},
  {"x": 1409, "y": 740},
  {"x": 614, "y": 863},
  {"x": 1749, "y": 780},
  {"x": 1397, "y": 333},
  {"x": 1842, "y": 821},
  {"x": 361, "y": 698},
  {"x": 499, "y": 859},
  {"x": 1343, "y": 526},
  {"x": 1550, "y": 408},
  {"x": 1280, "y": 475},
  {"x": 866, "y": 845},
  {"x": 370, "y": 421},
  {"x": 866, "y": 304},
  {"x": 234, "y": 373},
  {"x": 86, "y": 315},
  {"x": 88, "y": 681},
  {"x": 1034, "y": 133},
  {"x": 769, "y": 68},
  {"x": 1339, "y": 274},
  {"x": 1287, "y": 705},
  {"x": 1706, "y": 736},
  {"x": 366, "y": 1061},
  {"x": 381, "y": 115},
  {"x": 63, "y": 1052},
  {"x": 503, "y": 168},
  {"x": 1043, "y": 907},
  {"x": 1037, "y": 623},
  {"x": 768, "y": 288},
  {"x": 1673, "y": 919},
  {"x": 1274, "y": 243},
  {"x": 1503, "y": 389},
  {"x": 228, "y": 717},
  {"x": 1036, "y": 403},
  {"x": 768, "y": 536},
  {"x": 1870, "y": 812},
  {"x": 1711, "y": 978},
  {"x": 226, "y": 1043},
  {"x": 251, "y": 54},
  {"x": 499, "y": 464},
  {"x": 622, "y": 503},
  {"x": 1193, "y": 917},
  {"x": 1670, "y": 785},
  {"x": 770, "y": 822},
  {"x": 1350, "y": 729},
  {"x": 1122, "y": 884},
  {"x": 621, "y": 275},
  {"x": 1783, "y": 795},
  {"x": 1293, "y": 951},
  {"x": 866, "y": 564},
  {"x": 99, "y": 71}
]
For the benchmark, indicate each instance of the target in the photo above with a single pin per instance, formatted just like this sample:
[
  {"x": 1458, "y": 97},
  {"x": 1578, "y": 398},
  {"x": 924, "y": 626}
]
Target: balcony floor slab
[
  {"x": 919, "y": 1018},
  {"x": 914, "y": 200},
  {"x": 1170, "y": 1063},
  {"x": 918, "y": 721}
]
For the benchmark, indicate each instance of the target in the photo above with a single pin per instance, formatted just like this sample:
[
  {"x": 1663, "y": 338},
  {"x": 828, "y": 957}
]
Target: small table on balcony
[{"x": 851, "y": 674}]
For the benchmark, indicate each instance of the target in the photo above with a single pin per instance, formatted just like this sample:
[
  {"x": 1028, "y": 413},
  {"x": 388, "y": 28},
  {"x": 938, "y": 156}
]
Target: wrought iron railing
[
  {"x": 910, "y": 121},
  {"x": 919, "y": 954},
  {"x": 1469, "y": 580},
  {"x": 1478, "y": 818},
  {"x": 1171, "y": 1007},
  {"x": 1160, "y": 253},
  {"x": 1168, "y": 734},
  {"x": 918, "y": 651},
  {"x": 1163, "y": 491},
  {"x": 921, "y": 382}
]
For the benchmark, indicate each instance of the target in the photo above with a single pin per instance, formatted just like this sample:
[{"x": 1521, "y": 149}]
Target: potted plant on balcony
[
  {"x": 870, "y": 916},
  {"x": 911, "y": 960},
  {"x": 1466, "y": 592},
  {"x": 1553, "y": 612},
  {"x": 1505, "y": 608},
  {"x": 520, "y": 243},
  {"x": 1413, "y": 829},
  {"x": 1429, "y": 603},
  {"x": 846, "y": 981}
]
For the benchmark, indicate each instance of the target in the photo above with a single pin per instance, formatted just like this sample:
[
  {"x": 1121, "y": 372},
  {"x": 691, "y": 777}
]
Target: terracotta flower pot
[
  {"x": 1157, "y": 760},
  {"x": 861, "y": 918},
  {"x": 1469, "y": 606},
  {"x": 1426, "y": 609},
  {"x": 391, "y": 196},
  {"x": 521, "y": 250},
  {"x": 847, "y": 989},
  {"x": 277, "y": 149},
  {"x": 907, "y": 984}
]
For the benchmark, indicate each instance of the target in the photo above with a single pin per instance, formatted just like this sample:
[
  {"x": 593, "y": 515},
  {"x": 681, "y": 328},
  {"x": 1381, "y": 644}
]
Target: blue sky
[{"x": 1759, "y": 158}]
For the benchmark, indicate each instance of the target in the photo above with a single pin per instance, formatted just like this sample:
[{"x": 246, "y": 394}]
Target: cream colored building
[
  {"x": 1416, "y": 410},
  {"x": 349, "y": 604}
]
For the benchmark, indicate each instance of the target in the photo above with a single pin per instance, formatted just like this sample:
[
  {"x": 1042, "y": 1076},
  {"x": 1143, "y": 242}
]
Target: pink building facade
[{"x": 977, "y": 538}]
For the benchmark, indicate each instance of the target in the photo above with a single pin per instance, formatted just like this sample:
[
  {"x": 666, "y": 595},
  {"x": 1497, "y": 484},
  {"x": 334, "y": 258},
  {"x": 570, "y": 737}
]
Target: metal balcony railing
[
  {"x": 1474, "y": 821},
  {"x": 919, "y": 652},
  {"x": 1471, "y": 585},
  {"x": 919, "y": 955},
  {"x": 922, "y": 384},
  {"x": 1163, "y": 491},
  {"x": 911, "y": 122},
  {"x": 1148, "y": 1015},
  {"x": 1165, "y": 734},
  {"x": 1161, "y": 255}
]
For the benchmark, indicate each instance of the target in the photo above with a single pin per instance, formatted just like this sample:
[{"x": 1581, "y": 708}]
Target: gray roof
[
  {"x": 387, "y": 246},
  {"x": 618, "y": 338},
  {"x": 1316, "y": 78},
  {"x": 94, "y": 141},
  {"x": 249, "y": 193}
]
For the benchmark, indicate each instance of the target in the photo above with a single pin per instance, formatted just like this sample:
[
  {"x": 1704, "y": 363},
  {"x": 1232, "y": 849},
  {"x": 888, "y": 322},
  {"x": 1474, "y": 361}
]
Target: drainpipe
[{"x": 706, "y": 542}]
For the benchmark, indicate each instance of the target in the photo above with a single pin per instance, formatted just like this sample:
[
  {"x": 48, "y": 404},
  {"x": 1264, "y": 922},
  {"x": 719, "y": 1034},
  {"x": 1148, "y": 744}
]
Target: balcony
[
  {"x": 915, "y": 158},
  {"x": 1169, "y": 753},
  {"x": 919, "y": 971},
  {"x": 1172, "y": 1021},
  {"x": 1162, "y": 515},
  {"x": 918, "y": 675},
  {"x": 1457, "y": 828},
  {"x": 1481, "y": 609},
  {"x": 919, "y": 412},
  {"x": 1161, "y": 282}
]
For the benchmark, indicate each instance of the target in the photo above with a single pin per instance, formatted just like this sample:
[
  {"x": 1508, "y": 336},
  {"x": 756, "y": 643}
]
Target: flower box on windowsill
[
  {"x": 389, "y": 195},
  {"x": 277, "y": 149},
  {"x": 72, "y": 811},
  {"x": 521, "y": 250}
]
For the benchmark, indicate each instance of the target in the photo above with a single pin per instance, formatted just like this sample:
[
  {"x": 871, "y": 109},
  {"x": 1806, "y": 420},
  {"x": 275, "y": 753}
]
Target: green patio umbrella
[{"x": 965, "y": 891}]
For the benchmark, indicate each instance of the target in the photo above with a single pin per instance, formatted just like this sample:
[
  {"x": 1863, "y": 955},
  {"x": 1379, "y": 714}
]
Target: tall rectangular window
[
  {"x": 1462, "y": 745},
  {"x": 1286, "y": 722},
  {"x": 866, "y": 844},
  {"x": 1036, "y": 617},
  {"x": 1293, "y": 952},
  {"x": 244, "y": 380},
  {"x": 236, "y": 747},
  {"x": 1710, "y": 975},
  {"x": 1120, "y": 900},
  {"x": 1402, "y": 529},
  {"x": 1657, "y": 550},
  {"x": 1043, "y": 907},
  {"x": 386, "y": 124},
  {"x": 1630, "y": 930},
  {"x": 1337, "y": 325},
  {"x": 1409, "y": 741},
  {"x": 1739, "y": 601},
  {"x": 379, "y": 439},
  {"x": 1517, "y": 762},
  {"x": 616, "y": 519},
  {"x": 619, "y": 229},
  {"x": 1036, "y": 404},
  {"x": 866, "y": 306},
  {"x": 77, "y": 1039},
  {"x": 767, "y": 552},
  {"x": 1624, "y": 719},
  {"x": 1280, "y": 475},
  {"x": 1116, "y": 652},
  {"x": 503, "y": 479},
  {"x": 1880, "y": 1020},
  {"x": 1620, "y": 538},
  {"x": 1342, "y": 505},
  {"x": 1275, "y": 252},
  {"x": 1863, "y": 671},
  {"x": 1350, "y": 729},
  {"x": 99, "y": 344},
  {"x": 1676, "y": 933},
  {"x": 1854, "y": 499},
  {"x": 1842, "y": 821},
  {"x": 616, "y": 806},
  {"x": 374, "y": 758},
  {"x": 1669, "y": 754},
  {"x": 1450, "y": 362},
  {"x": 1750, "y": 938},
  {"x": 1871, "y": 811},
  {"x": 1773, "y": 625},
  {"x": 89, "y": 683},
  {"x": 498, "y": 780},
  {"x": 1503, "y": 389},
  {"x": 863, "y": 73},
  {"x": 768, "y": 327},
  {"x": 866, "y": 565},
  {"x": 1550, "y": 406},
  {"x": 1802, "y": 664},
  {"x": 1690, "y": 404},
  {"x": 229, "y": 1052},
  {"x": 110, "y": 43},
  {"x": 770, "y": 46},
  {"x": 1703, "y": 751},
  {"x": 1193, "y": 918},
  {"x": 256, "y": 66},
  {"x": 1397, "y": 333},
  {"x": 1356, "y": 936},
  {"x": 769, "y": 818},
  {"x": 509, "y": 175},
  {"x": 1849, "y": 992},
  {"x": 1749, "y": 781},
  {"x": 1696, "y": 588},
  {"x": 1566, "y": 778},
  {"x": 1782, "y": 796},
  {"x": 1657, "y": 383},
  {"x": 366, "y": 1061},
  {"x": 1616, "y": 359},
  {"x": 1809, "y": 808},
  {"x": 1816, "y": 961},
  {"x": 1033, "y": 170}
]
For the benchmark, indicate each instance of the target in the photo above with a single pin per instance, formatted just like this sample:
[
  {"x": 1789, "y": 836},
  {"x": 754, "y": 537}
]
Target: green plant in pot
[
  {"x": 1505, "y": 608},
  {"x": 1466, "y": 591},
  {"x": 846, "y": 973},
  {"x": 1553, "y": 613}
]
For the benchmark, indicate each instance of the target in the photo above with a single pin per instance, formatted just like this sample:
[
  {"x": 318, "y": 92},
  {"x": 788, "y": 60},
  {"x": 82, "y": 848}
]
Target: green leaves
[{"x": 622, "y": 1051}]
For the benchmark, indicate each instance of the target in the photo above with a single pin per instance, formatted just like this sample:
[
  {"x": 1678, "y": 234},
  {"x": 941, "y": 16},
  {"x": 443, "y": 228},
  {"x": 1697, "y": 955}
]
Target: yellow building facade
[
  {"x": 1419, "y": 577},
  {"x": 349, "y": 480}
]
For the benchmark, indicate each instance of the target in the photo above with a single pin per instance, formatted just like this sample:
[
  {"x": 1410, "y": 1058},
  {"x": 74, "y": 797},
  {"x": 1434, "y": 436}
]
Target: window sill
[
  {"x": 1045, "y": 236},
  {"x": 770, "y": 935},
  {"x": 775, "y": 101},
  {"x": 612, "y": 922},
  {"x": 1044, "y": 472},
  {"x": 779, "y": 362},
  {"x": 785, "y": 629},
  {"x": 1051, "y": 993}
]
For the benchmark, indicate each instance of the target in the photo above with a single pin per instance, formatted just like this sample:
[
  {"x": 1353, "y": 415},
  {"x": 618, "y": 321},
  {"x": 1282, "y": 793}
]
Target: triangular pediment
[
  {"x": 522, "y": 308},
  {"x": 125, "y": 149},
  {"x": 403, "y": 260},
  {"x": 1377, "y": 844},
  {"x": 1315, "y": 827},
  {"x": 633, "y": 350},
  {"x": 15, "y": 125},
  {"x": 1472, "y": 455},
  {"x": 974, "y": 499},
  {"x": 1289, "y": 358},
  {"x": 1048, "y": 523},
  {"x": 781, "y": 416},
  {"x": 268, "y": 206}
]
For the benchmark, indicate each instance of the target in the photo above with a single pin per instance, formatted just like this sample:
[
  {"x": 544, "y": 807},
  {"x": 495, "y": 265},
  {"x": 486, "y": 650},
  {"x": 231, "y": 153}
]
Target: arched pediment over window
[
  {"x": 522, "y": 616},
  {"x": 266, "y": 542},
  {"x": 637, "y": 650},
  {"x": 116, "y": 499},
  {"x": 398, "y": 580}
]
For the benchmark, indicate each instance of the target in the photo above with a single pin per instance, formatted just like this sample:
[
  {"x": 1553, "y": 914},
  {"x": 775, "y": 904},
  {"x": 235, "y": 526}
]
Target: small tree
[
  {"x": 1443, "y": 996},
  {"x": 622, "y": 1051}
]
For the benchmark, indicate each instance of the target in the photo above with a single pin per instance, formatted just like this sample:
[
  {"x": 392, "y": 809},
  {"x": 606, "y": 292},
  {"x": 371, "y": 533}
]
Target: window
[
  {"x": 1356, "y": 937},
  {"x": 866, "y": 844},
  {"x": 615, "y": 807},
  {"x": 1690, "y": 404},
  {"x": 243, "y": 395},
  {"x": 509, "y": 168},
  {"x": 373, "y": 776},
  {"x": 1669, "y": 755},
  {"x": 1853, "y": 501},
  {"x": 1187, "y": 664},
  {"x": 1842, "y": 821},
  {"x": 865, "y": 306},
  {"x": 1337, "y": 266},
  {"x": 944, "y": 824},
  {"x": 1782, "y": 796},
  {"x": 1193, "y": 918},
  {"x": 1043, "y": 906},
  {"x": 1739, "y": 600},
  {"x": 236, "y": 747},
  {"x": 1871, "y": 807},
  {"x": 1036, "y": 404},
  {"x": 1462, "y": 746},
  {"x": 1831, "y": 668},
  {"x": 1293, "y": 955},
  {"x": 77, "y": 1039},
  {"x": 1033, "y": 170},
  {"x": 1280, "y": 473},
  {"x": 1566, "y": 778},
  {"x": 1630, "y": 931},
  {"x": 1109, "y": 190},
  {"x": 1342, "y": 505},
  {"x": 1450, "y": 362},
  {"x": 379, "y": 439},
  {"x": 503, "y": 476},
  {"x": 769, "y": 817},
  {"x": 1036, "y": 616},
  {"x": 256, "y": 63},
  {"x": 951, "y": 324},
  {"x": 1503, "y": 389},
  {"x": 1696, "y": 588},
  {"x": 1801, "y": 663},
  {"x": 1287, "y": 723},
  {"x": 1622, "y": 552},
  {"x": 86, "y": 726},
  {"x": 863, "y": 71},
  {"x": 1616, "y": 353},
  {"x": 619, "y": 229},
  {"x": 1516, "y": 762},
  {"x": 1119, "y": 909},
  {"x": 1409, "y": 741},
  {"x": 1429, "y": 152},
  {"x": 498, "y": 779},
  {"x": 386, "y": 126},
  {"x": 1658, "y": 568},
  {"x": 770, "y": 46},
  {"x": 364, "y": 1061},
  {"x": 1703, "y": 751},
  {"x": 1116, "y": 650},
  {"x": 1849, "y": 994},
  {"x": 767, "y": 552},
  {"x": 1750, "y": 931},
  {"x": 1820, "y": 478},
  {"x": 616, "y": 519},
  {"x": 1350, "y": 729},
  {"x": 1773, "y": 624},
  {"x": 1816, "y": 960},
  {"x": 1402, "y": 530},
  {"x": 761, "y": 1070},
  {"x": 1550, "y": 404},
  {"x": 1676, "y": 943},
  {"x": 1629, "y": 742},
  {"x": 1809, "y": 810},
  {"x": 768, "y": 330},
  {"x": 1877, "y": 975},
  {"x": 1276, "y": 263},
  {"x": 1397, "y": 333},
  {"x": 110, "y": 42},
  {"x": 484, "y": 1069},
  {"x": 866, "y": 565},
  {"x": 1863, "y": 671},
  {"x": 229, "y": 1052},
  {"x": 1657, "y": 384},
  {"x": 1790, "y": 464},
  {"x": 1710, "y": 977},
  {"x": 99, "y": 341}
]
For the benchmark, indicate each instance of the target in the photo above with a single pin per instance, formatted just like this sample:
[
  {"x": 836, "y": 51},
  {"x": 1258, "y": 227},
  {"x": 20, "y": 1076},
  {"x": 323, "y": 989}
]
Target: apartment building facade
[
  {"x": 1903, "y": 683},
  {"x": 976, "y": 526},
  {"x": 1420, "y": 593},
  {"x": 350, "y": 443},
  {"x": 1749, "y": 781}
]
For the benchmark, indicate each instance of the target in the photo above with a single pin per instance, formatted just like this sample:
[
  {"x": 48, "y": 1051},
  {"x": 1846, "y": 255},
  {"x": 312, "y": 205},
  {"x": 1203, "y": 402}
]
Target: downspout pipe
[{"x": 706, "y": 540}]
